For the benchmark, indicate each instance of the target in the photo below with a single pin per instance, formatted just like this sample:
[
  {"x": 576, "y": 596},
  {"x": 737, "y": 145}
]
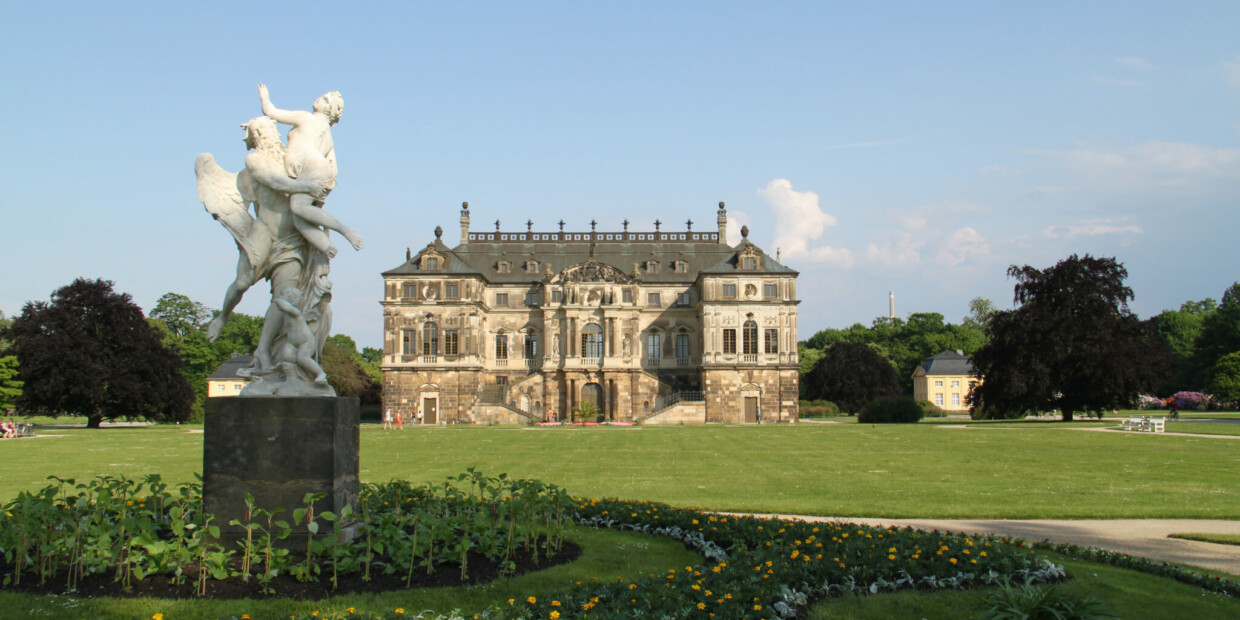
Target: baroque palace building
[{"x": 654, "y": 327}]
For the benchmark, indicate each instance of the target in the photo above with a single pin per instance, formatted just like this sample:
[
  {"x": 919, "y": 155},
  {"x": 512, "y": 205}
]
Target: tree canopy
[
  {"x": 89, "y": 351},
  {"x": 851, "y": 374},
  {"x": 1070, "y": 344},
  {"x": 906, "y": 344},
  {"x": 180, "y": 314}
]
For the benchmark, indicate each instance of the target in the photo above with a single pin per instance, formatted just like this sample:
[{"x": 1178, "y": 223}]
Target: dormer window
[
  {"x": 681, "y": 266},
  {"x": 531, "y": 266},
  {"x": 750, "y": 263},
  {"x": 503, "y": 266},
  {"x": 431, "y": 263},
  {"x": 652, "y": 266}
]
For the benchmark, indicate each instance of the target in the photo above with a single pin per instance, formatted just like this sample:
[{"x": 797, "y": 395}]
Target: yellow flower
[
  {"x": 400, "y": 611},
  {"x": 701, "y": 605},
  {"x": 351, "y": 610},
  {"x": 531, "y": 600},
  {"x": 554, "y": 615},
  {"x": 757, "y": 608},
  {"x": 510, "y": 601},
  {"x": 157, "y": 616},
  {"x": 555, "y": 603},
  {"x": 245, "y": 616},
  {"x": 952, "y": 560}
]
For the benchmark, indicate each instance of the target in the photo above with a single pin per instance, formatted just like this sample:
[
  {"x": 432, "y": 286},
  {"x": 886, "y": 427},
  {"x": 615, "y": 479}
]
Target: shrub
[
  {"x": 1191, "y": 401},
  {"x": 931, "y": 410},
  {"x": 818, "y": 408},
  {"x": 890, "y": 410},
  {"x": 1035, "y": 602},
  {"x": 1149, "y": 401}
]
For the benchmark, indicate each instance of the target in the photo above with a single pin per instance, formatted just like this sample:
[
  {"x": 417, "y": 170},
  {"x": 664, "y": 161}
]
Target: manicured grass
[
  {"x": 1222, "y": 539},
  {"x": 1130, "y": 594},
  {"x": 1203, "y": 428},
  {"x": 606, "y": 554},
  {"x": 1027, "y": 470}
]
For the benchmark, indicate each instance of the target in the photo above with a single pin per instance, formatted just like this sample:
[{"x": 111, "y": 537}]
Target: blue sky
[{"x": 919, "y": 148}]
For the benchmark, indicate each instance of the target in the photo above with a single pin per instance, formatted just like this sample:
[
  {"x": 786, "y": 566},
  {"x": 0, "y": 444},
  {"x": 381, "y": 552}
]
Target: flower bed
[{"x": 770, "y": 568}]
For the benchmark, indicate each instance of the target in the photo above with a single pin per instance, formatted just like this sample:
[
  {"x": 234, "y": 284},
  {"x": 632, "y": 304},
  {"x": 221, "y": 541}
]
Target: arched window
[
  {"x": 749, "y": 338},
  {"x": 430, "y": 338},
  {"x": 592, "y": 341}
]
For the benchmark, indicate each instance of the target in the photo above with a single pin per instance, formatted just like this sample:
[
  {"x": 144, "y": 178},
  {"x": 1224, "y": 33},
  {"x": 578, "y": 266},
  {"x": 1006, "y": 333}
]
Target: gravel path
[{"x": 1141, "y": 537}]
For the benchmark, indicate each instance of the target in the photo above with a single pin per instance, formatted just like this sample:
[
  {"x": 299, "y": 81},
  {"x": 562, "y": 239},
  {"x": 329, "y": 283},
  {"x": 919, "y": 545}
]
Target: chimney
[
  {"x": 464, "y": 223},
  {"x": 723, "y": 225}
]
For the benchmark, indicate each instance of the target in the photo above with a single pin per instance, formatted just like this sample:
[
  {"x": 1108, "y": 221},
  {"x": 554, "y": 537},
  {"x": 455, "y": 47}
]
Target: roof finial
[
  {"x": 438, "y": 232},
  {"x": 744, "y": 232},
  {"x": 689, "y": 225},
  {"x": 561, "y": 225},
  {"x": 626, "y": 224},
  {"x": 593, "y": 223},
  {"x": 721, "y": 209},
  {"x": 529, "y": 225},
  {"x": 496, "y": 225},
  {"x": 657, "y": 224}
]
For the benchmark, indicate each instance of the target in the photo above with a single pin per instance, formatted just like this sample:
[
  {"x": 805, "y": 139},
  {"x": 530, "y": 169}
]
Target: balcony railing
[
  {"x": 430, "y": 359},
  {"x": 501, "y": 361},
  {"x": 749, "y": 358},
  {"x": 682, "y": 362},
  {"x": 592, "y": 361},
  {"x": 653, "y": 361}
]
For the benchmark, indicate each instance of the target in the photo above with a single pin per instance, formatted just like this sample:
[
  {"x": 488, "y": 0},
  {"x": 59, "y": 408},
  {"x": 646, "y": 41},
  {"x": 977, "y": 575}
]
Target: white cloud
[
  {"x": 1152, "y": 163},
  {"x": 799, "y": 220},
  {"x": 1092, "y": 228},
  {"x": 1232, "y": 69},
  {"x": 962, "y": 245},
  {"x": 1132, "y": 62},
  {"x": 904, "y": 251}
]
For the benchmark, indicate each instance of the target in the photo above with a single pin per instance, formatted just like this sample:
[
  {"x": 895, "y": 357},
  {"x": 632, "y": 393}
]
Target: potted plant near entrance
[{"x": 586, "y": 412}]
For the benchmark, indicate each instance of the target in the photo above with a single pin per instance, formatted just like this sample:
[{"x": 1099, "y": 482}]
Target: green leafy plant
[
  {"x": 890, "y": 410},
  {"x": 1031, "y": 601}
]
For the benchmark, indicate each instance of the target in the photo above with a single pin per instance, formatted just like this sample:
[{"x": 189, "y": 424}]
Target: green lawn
[
  {"x": 1002, "y": 469},
  {"x": 1028, "y": 470}
]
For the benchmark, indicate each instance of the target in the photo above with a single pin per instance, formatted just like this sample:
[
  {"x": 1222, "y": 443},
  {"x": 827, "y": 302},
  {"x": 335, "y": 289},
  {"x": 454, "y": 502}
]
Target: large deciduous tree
[
  {"x": 181, "y": 314},
  {"x": 1070, "y": 344},
  {"x": 851, "y": 374},
  {"x": 89, "y": 351}
]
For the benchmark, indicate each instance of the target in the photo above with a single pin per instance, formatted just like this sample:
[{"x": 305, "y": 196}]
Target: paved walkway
[{"x": 1141, "y": 537}]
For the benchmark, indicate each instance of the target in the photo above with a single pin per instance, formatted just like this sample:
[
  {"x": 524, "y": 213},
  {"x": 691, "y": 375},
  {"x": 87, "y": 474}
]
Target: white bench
[{"x": 1144, "y": 423}]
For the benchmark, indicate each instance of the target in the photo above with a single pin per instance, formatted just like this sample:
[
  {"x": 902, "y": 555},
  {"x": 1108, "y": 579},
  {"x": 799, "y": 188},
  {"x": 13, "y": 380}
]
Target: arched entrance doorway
[{"x": 593, "y": 393}]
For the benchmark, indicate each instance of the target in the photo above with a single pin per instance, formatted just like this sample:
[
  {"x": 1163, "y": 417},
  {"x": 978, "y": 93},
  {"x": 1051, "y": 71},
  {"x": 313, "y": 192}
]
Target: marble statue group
[{"x": 285, "y": 240}]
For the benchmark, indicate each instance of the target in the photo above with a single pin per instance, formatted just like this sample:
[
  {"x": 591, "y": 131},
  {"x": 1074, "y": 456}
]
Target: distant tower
[
  {"x": 464, "y": 223},
  {"x": 891, "y": 304},
  {"x": 723, "y": 225}
]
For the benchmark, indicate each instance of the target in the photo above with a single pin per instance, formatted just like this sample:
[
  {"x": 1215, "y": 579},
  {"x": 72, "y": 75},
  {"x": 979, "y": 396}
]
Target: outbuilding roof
[
  {"x": 947, "y": 363},
  {"x": 228, "y": 370}
]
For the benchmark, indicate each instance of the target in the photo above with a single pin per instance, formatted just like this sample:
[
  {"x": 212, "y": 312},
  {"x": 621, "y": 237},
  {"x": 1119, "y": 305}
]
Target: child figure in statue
[
  {"x": 299, "y": 343},
  {"x": 311, "y": 156}
]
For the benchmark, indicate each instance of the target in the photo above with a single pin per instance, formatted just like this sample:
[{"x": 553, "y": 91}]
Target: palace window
[
  {"x": 653, "y": 347},
  {"x": 502, "y": 267},
  {"x": 557, "y": 296},
  {"x": 531, "y": 266},
  {"x": 409, "y": 290},
  {"x": 452, "y": 291},
  {"x": 682, "y": 267},
  {"x": 772, "y": 341},
  {"x": 501, "y": 346},
  {"x": 430, "y": 338},
  {"x": 652, "y": 299},
  {"x": 531, "y": 346},
  {"x": 450, "y": 339},
  {"x": 938, "y": 384},
  {"x": 956, "y": 383},
  {"x": 729, "y": 291},
  {"x": 501, "y": 300},
  {"x": 956, "y": 400},
  {"x": 431, "y": 263},
  {"x": 682, "y": 299},
  {"x": 627, "y": 296},
  {"x": 750, "y": 338},
  {"x": 531, "y": 299},
  {"x": 652, "y": 266},
  {"x": 938, "y": 400},
  {"x": 770, "y": 290},
  {"x": 729, "y": 340},
  {"x": 750, "y": 263},
  {"x": 682, "y": 346},
  {"x": 406, "y": 338},
  {"x": 592, "y": 341}
]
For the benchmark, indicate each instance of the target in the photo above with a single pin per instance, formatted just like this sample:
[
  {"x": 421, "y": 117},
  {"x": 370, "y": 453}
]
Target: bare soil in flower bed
[{"x": 480, "y": 570}]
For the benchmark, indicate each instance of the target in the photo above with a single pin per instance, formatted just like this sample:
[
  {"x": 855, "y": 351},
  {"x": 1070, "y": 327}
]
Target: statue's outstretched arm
[{"x": 288, "y": 117}]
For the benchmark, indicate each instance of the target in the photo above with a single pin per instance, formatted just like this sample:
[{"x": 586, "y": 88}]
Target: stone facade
[{"x": 517, "y": 326}]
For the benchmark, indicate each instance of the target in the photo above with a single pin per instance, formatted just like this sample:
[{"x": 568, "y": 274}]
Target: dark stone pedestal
[{"x": 278, "y": 449}]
